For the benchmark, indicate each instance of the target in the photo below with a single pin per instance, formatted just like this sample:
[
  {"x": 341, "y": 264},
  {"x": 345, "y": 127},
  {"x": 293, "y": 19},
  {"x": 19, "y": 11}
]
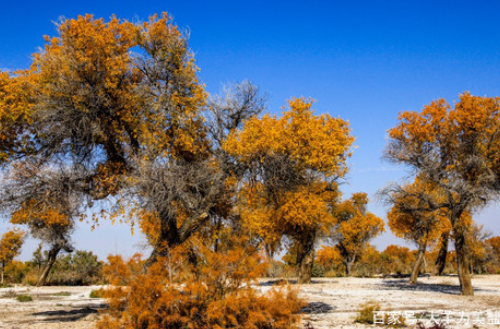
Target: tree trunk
[
  {"x": 443, "y": 253},
  {"x": 2, "y": 273},
  {"x": 305, "y": 260},
  {"x": 418, "y": 264},
  {"x": 169, "y": 237},
  {"x": 159, "y": 250},
  {"x": 463, "y": 268},
  {"x": 349, "y": 262},
  {"x": 270, "y": 256},
  {"x": 50, "y": 261}
]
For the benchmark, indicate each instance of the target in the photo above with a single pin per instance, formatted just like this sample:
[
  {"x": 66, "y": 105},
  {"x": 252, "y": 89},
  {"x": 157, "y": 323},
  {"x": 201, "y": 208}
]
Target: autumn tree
[
  {"x": 10, "y": 247},
  {"x": 397, "y": 259},
  {"x": 15, "y": 114},
  {"x": 98, "y": 101},
  {"x": 494, "y": 244},
  {"x": 292, "y": 165},
  {"x": 457, "y": 149},
  {"x": 356, "y": 227},
  {"x": 412, "y": 219},
  {"x": 329, "y": 257},
  {"x": 43, "y": 199},
  {"x": 182, "y": 196},
  {"x": 476, "y": 248},
  {"x": 113, "y": 102}
]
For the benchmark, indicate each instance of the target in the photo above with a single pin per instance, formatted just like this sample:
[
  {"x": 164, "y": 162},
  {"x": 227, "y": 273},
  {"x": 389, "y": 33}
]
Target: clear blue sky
[{"x": 364, "y": 61}]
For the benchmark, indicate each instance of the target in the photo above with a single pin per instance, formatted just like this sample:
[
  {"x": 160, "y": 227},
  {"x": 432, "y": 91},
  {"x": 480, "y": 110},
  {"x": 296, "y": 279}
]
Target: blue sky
[{"x": 363, "y": 61}]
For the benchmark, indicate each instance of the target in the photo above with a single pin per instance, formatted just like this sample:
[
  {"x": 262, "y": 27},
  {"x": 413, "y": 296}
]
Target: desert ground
[{"x": 333, "y": 303}]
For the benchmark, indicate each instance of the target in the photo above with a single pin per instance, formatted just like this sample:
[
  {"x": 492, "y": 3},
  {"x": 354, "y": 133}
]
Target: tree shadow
[
  {"x": 450, "y": 289},
  {"x": 317, "y": 308},
  {"x": 71, "y": 315},
  {"x": 279, "y": 282}
]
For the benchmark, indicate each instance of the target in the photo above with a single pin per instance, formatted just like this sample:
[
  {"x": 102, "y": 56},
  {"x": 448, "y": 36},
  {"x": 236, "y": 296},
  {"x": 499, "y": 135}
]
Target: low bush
[
  {"x": 215, "y": 292},
  {"x": 24, "y": 298},
  {"x": 367, "y": 312},
  {"x": 97, "y": 293}
]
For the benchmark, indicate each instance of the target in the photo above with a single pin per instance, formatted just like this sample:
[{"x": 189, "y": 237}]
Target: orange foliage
[
  {"x": 309, "y": 143},
  {"x": 397, "y": 259},
  {"x": 45, "y": 215},
  {"x": 214, "y": 293},
  {"x": 319, "y": 143},
  {"x": 494, "y": 244},
  {"x": 357, "y": 226},
  {"x": 328, "y": 256},
  {"x": 10, "y": 246},
  {"x": 411, "y": 217},
  {"x": 15, "y": 113}
]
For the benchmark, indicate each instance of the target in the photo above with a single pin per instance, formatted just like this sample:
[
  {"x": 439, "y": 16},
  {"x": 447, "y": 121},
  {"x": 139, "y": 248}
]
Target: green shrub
[
  {"x": 24, "y": 298},
  {"x": 99, "y": 293},
  {"x": 62, "y": 294}
]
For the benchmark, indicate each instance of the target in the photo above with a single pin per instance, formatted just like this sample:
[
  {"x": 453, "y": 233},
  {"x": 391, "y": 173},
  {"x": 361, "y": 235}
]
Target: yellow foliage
[
  {"x": 45, "y": 215},
  {"x": 15, "y": 112},
  {"x": 10, "y": 246},
  {"x": 214, "y": 293},
  {"x": 310, "y": 145},
  {"x": 413, "y": 219},
  {"x": 320, "y": 143},
  {"x": 328, "y": 256},
  {"x": 357, "y": 226}
]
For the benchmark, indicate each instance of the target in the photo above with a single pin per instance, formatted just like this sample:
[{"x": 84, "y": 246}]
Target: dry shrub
[
  {"x": 213, "y": 291},
  {"x": 366, "y": 313}
]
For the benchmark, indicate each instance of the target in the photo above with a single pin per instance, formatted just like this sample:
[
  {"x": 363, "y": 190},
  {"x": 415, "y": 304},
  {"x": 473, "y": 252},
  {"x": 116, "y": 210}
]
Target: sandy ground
[{"x": 333, "y": 303}]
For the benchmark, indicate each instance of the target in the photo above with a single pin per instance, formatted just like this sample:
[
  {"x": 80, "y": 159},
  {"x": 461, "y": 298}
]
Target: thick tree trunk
[
  {"x": 50, "y": 261},
  {"x": 305, "y": 260},
  {"x": 171, "y": 236},
  {"x": 305, "y": 268},
  {"x": 418, "y": 263},
  {"x": 462, "y": 264},
  {"x": 443, "y": 253},
  {"x": 349, "y": 262},
  {"x": 159, "y": 250}
]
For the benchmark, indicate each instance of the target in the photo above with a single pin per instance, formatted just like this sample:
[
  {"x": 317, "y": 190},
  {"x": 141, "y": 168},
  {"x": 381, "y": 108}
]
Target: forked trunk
[
  {"x": 349, "y": 262},
  {"x": 462, "y": 264},
  {"x": 443, "y": 253},
  {"x": 418, "y": 264},
  {"x": 52, "y": 256}
]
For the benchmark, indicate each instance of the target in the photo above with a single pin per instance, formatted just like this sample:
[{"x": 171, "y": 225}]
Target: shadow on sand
[
  {"x": 76, "y": 314},
  {"x": 402, "y": 284}
]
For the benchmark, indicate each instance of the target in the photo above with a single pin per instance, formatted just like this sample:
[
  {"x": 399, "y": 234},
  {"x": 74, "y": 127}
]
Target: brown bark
[
  {"x": 418, "y": 263},
  {"x": 349, "y": 262},
  {"x": 443, "y": 253},
  {"x": 171, "y": 236},
  {"x": 305, "y": 260},
  {"x": 50, "y": 261},
  {"x": 305, "y": 268},
  {"x": 2, "y": 273},
  {"x": 462, "y": 264}
]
